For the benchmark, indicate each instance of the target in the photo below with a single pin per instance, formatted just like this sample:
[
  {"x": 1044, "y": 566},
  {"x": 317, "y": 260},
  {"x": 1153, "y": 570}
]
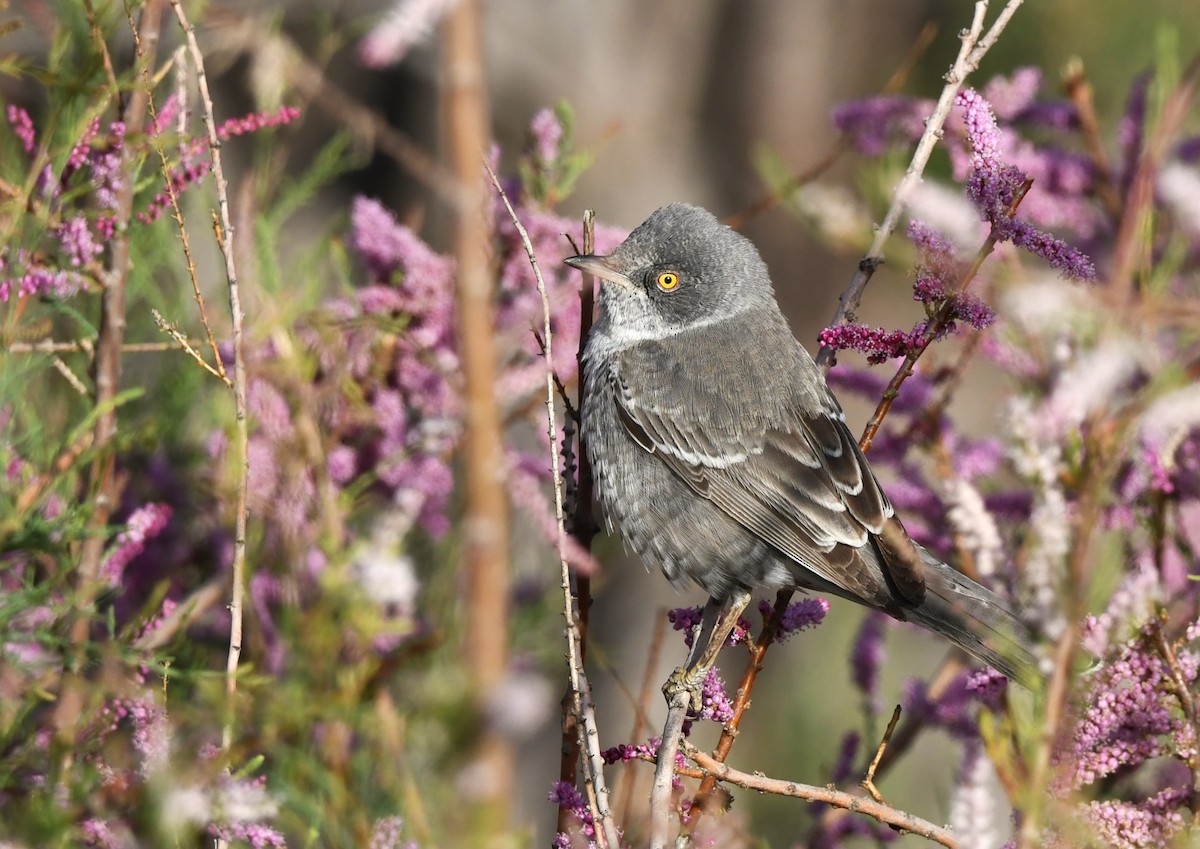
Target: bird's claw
[{"x": 685, "y": 680}]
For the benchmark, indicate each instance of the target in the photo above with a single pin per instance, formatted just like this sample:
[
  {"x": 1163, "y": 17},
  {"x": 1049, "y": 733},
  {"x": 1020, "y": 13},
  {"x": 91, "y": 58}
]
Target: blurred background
[{"x": 677, "y": 100}]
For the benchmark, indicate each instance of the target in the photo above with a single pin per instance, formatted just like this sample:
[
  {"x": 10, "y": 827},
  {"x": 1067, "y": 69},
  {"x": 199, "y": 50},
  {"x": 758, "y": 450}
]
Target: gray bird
[{"x": 721, "y": 456}]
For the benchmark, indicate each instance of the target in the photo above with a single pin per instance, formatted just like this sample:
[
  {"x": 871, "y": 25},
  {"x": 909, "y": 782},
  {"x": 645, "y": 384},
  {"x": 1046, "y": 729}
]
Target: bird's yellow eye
[{"x": 667, "y": 280}]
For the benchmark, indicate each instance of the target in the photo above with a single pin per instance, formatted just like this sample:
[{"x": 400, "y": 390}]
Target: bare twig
[
  {"x": 580, "y": 687},
  {"x": 172, "y": 196},
  {"x": 85, "y": 346},
  {"x": 182, "y": 342},
  {"x": 975, "y": 45},
  {"x": 1079, "y": 92},
  {"x": 665, "y": 769},
  {"x": 68, "y": 375},
  {"x": 885, "y": 814},
  {"x": 741, "y": 702},
  {"x": 868, "y": 783},
  {"x": 225, "y": 240},
  {"x": 583, "y": 525},
  {"x": 107, "y": 371}
]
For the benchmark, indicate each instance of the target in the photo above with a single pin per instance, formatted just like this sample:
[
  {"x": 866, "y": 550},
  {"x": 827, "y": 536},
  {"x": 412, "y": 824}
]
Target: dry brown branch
[
  {"x": 1130, "y": 249},
  {"x": 868, "y": 783},
  {"x": 741, "y": 702},
  {"x": 1079, "y": 92},
  {"x": 975, "y": 44},
  {"x": 107, "y": 372},
  {"x": 182, "y": 342},
  {"x": 885, "y": 814},
  {"x": 485, "y": 522},
  {"x": 225, "y": 241}
]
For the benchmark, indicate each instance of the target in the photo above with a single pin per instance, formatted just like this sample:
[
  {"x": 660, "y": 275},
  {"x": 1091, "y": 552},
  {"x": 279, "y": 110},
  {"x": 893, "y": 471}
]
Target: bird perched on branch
[{"x": 721, "y": 456}]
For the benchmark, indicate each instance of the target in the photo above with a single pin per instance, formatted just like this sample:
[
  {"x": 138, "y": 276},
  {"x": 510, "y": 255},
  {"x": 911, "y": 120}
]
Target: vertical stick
[
  {"x": 485, "y": 540},
  {"x": 107, "y": 371},
  {"x": 224, "y": 229}
]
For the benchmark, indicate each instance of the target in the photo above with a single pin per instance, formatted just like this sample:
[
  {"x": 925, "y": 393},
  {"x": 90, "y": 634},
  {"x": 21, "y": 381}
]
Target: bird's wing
[{"x": 779, "y": 460}]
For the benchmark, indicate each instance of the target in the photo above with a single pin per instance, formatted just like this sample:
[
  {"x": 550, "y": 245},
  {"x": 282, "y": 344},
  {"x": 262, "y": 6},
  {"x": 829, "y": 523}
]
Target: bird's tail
[{"x": 976, "y": 619}]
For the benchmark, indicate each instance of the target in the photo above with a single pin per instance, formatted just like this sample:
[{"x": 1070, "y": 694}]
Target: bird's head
[{"x": 681, "y": 268}]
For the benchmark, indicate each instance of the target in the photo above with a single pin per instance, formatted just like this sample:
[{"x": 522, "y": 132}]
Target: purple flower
[
  {"x": 714, "y": 701},
  {"x": 983, "y": 136},
  {"x": 22, "y": 126},
  {"x": 407, "y": 23},
  {"x": 568, "y": 798},
  {"x": 995, "y": 186},
  {"x": 1010, "y": 96},
  {"x": 1132, "y": 127},
  {"x": 83, "y": 147},
  {"x": 1129, "y": 718},
  {"x": 876, "y": 122},
  {"x": 547, "y": 132},
  {"x": 256, "y": 834},
  {"x": 1154, "y": 822},
  {"x": 386, "y": 834},
  {"x": 797, "y": 616},
  {"x": 878, "y": 344},
  {"x": 143, "y": 524},
  {"x": 76, "y": 240},
  {"x": 988, "y": 686},
  {"x": 1058, "y": 253},
  {"x": 108, "y": 177},
  {"x": 867, "y": 655}
]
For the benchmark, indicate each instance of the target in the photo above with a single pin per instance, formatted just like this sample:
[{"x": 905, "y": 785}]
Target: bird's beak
[{"x": 601, "y": 266}]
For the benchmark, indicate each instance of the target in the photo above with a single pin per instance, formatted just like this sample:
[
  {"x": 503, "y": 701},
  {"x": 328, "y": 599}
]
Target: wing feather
[{"x": 783, "y": 465}]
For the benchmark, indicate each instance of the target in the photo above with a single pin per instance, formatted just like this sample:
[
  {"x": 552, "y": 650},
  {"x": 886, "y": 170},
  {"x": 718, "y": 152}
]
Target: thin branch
[
  {"x": 107, "y": 372},
  {"x": 225, "y": 240},
  {"x": 580, "y": 687},
  {"x": 68, "y": 375},
  {"x": 935, "y": 326},
  {"x": 87, "y": 346},
  {"x": 182, "y": 342},
  {"x": 841, "y": 144},
  {"x": 185, "y": 242},
  {"x": 666, "y": 768},
  {"x": 1079, "y": 92},
  {"x": 485, "y": 537},
  {"x": 583, "y": 525},
  {"x": 885, "y": 814},
  {"x": 868, "y": 783},
  {"x": 1130, "y": 245},
  {"x": 741, "y": 702},
  {"x": 975, "y": 45}
]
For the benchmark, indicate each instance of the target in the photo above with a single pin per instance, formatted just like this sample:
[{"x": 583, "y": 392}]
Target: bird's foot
[{"x": 688, "y": 680}]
